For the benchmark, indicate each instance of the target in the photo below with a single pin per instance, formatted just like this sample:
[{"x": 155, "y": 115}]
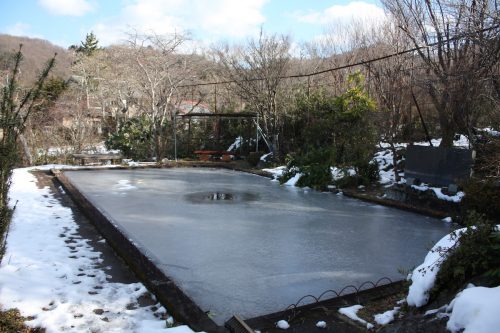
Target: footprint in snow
[
  {"x": 98, "y": 311},
  {"x": 52, "y": 305}
]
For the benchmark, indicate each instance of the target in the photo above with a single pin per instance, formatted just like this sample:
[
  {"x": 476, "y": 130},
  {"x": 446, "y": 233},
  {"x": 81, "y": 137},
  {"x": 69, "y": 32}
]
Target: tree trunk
[
  {"x": 26, "y": 150},
  {"x": 395, "y": 160},
  {"x": 448, "y": 135}
]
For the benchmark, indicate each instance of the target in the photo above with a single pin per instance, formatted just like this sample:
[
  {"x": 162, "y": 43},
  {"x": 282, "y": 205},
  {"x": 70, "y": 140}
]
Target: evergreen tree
[
  {"x": 90, "y": 45},
  {"x": 15, "y": 109}
]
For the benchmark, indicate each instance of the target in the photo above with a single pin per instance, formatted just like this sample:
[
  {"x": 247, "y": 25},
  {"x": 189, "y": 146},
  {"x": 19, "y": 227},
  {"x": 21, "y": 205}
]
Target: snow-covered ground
[
  {"x": 52, "y": 274},
  {"x": 475, "y": 309}
]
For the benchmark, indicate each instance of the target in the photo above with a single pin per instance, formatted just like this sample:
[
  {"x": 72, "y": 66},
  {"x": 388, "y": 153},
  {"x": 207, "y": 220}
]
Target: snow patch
[
  {"x": 283, "y": 324},
  {"x": 461, "y": 142},
  {"x": 439, "y": 193},
  {"x": 339, "y": 173},
  {"x": 386, "y": 317},
  {"x": 236, "y": 144},
  {"x": 454, "y": 198},
  {"x": 292, "y": 181},
  {"x": 352, "y": 313},
  {"x": 475, "y": 310},
  {"x": 424, "y": 276},
  {"x": 491, "y": 131},
  {"x": 264, "y": 157},
  {"x": 321, "y": 324},
  {"x": 276, "y": 172}
]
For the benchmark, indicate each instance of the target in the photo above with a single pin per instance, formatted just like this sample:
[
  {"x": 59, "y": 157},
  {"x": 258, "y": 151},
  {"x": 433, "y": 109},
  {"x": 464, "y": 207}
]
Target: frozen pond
[{"x": 237, "y": 243}]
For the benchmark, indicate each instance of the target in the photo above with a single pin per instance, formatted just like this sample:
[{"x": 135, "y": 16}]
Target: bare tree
[
  {"x": 257, "y": 69},
  {"x": 462, "y": 49},
  {"x": 74, "y": 121},
  {"x": 391, "y": 81},
  {"x": 158, "y": 71}
]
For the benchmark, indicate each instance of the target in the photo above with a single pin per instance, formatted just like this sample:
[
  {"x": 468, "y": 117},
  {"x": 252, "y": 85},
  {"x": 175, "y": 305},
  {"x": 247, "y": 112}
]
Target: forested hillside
[{"x": 36, "y": 52}]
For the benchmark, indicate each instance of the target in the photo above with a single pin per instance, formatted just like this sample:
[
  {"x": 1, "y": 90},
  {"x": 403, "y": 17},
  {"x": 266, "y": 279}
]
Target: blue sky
[{"x": 66, "y": 22}]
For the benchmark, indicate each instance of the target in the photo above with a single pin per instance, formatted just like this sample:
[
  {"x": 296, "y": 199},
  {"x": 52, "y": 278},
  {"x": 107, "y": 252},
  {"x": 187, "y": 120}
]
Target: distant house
[{"x": 190, "y": 106}]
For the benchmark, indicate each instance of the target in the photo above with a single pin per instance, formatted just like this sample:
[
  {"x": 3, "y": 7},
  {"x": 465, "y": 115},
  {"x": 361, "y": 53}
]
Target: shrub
[
  {"x": 315, "y": 175},
  {"x": 335, "y": 131},
  {"x": 367, "y": 172},
  {"x": 16, "y": 107},
  {"x": 133, "y": 138},
  {"x": 348, "y": 181},
  {"x": 477, "y": 253},
  {"x": 482, "y": 197},
  {"x": 314, "y": 166}
]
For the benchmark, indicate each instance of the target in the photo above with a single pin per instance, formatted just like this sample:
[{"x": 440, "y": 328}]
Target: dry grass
[{"x": 11, "y": 321}]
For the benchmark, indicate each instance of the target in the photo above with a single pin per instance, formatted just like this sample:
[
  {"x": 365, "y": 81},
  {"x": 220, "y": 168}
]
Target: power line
[{"x": 359, "y": 63}]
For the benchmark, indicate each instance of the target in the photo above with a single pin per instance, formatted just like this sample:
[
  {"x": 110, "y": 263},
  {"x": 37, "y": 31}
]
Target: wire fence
[
  {"x": 222, "y": 94},
  {"x": 352, "y": 64}
]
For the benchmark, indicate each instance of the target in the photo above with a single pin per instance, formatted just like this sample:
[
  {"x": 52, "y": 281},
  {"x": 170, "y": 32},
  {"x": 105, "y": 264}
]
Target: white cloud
[
  {"x": 342, "y": 23},
  {"x": 21, "y": 29},
  {"x": 212, "y": 19},
  {"x": 343, "y": 14},
  {"x": 229, "y": 17},
  {"x": 66, "y": 7},
  {"x": 18, "y": 29}
]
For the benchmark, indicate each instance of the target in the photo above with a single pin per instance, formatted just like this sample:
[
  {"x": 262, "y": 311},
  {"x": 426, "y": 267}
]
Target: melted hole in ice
[{"x": 220, "y": 196}]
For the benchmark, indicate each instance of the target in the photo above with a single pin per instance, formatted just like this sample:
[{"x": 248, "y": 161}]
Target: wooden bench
[
  {"x": 207, "y": 155},
  {"x": 98, "y": 158}
]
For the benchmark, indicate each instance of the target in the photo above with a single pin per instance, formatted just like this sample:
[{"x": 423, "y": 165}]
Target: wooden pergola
[{"x": 218, "y": 116}]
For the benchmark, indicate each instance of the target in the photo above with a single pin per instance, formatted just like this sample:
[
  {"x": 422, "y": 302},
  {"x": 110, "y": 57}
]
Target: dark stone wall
[{"x": 438, "y": 166}]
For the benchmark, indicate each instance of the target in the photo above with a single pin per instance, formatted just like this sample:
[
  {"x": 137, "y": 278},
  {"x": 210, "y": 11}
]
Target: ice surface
[{"x": 252, "y": 257}]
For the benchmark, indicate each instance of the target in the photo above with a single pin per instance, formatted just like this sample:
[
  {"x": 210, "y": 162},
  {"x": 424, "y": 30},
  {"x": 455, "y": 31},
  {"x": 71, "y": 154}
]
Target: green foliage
[
  {"x": 367, "y": 171},
  {"x": 477, "y": 253},
  {"x": 15, "y": 109},
  {"x": 355, "y": 103},
  {"x": 90, "y": 45},
  {"x": 50, "y": 92},
  {"x": 483, "y": 197},
  {"x": 315, "y": 175},
  {"x": 349, "y": 181},
  {"x": 133, "y": 138},
  {"x": 53, "y": 88},
  {"x": 333, "y": 131},
  {"x": 314, "y": 166}
]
